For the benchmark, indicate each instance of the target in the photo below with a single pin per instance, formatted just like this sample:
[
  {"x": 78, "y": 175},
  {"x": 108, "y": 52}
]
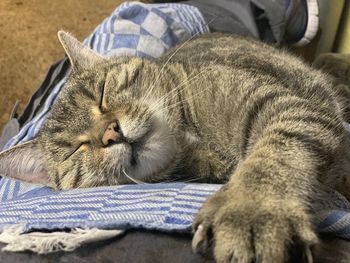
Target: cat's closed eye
[
  {"x": 78, "y": 147},
  {"x": 101, "y": 102}
]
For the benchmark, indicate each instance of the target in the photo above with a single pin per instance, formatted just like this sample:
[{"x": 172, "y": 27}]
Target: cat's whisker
[
  {"x": 182, "y": 84},
  {"x": 172, "y": 55},
  {"x": 113, "y": 174},
  {"x": 171, "y": 106},
  {"x": 174, "y": 92},
  {"x": 192, "y": 179},
  {"x": 119, "y": 175},
  {"x": 136, "y": 181},
  {"x": 170, "y": 95},
  {"x": 101, "y": 172}
]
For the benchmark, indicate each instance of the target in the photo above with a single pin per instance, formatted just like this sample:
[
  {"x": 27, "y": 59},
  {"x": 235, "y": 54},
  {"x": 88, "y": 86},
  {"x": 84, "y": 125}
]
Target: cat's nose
[{"x": 112, "y": 134}]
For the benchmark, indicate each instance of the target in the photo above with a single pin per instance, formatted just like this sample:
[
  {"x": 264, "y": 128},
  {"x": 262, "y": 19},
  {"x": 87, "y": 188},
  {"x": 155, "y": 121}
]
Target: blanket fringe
[{"x": 44, "y": 243}]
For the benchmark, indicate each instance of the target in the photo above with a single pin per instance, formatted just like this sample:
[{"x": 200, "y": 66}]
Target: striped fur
[{"x": 221, "y": 109}]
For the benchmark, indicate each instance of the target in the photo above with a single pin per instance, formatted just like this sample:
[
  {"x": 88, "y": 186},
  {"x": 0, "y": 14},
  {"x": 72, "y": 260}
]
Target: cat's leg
[{"x": 265, "y": 206}]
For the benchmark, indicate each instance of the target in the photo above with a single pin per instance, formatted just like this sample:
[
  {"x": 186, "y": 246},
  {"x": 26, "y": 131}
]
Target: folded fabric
[
  {"x": 165, "y": 207},
  {"x": 148, "y": 31}
]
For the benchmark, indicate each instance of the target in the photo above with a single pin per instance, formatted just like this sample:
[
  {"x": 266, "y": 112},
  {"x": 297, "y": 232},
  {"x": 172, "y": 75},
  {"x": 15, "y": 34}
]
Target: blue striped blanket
[{"x": 139, "y": 30}]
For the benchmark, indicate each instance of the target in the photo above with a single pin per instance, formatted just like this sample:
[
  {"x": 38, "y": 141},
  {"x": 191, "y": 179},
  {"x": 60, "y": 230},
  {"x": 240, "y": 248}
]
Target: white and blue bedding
[{"x": 139, "y": 30}]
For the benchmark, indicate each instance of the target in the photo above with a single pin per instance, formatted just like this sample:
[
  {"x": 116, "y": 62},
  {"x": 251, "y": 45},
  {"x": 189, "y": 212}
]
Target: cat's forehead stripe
[
  {"x": 96, "y": 112},
  {"x": 83, "y": 138}
]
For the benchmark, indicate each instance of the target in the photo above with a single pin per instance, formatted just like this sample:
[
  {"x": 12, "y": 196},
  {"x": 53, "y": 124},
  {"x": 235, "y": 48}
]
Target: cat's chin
[
  {"x": 151, "y": 169},
  {"x": 153, "y": 161}
]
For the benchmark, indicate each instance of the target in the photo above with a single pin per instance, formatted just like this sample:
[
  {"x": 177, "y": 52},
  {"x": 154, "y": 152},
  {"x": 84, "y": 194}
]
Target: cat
[{"x": 218, "y": 109}]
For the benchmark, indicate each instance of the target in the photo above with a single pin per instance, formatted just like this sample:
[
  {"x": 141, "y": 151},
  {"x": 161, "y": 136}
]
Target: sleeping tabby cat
[{"x": 221, "y": 109}]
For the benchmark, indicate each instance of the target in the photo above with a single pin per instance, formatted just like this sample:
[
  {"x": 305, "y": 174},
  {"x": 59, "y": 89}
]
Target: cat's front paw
[{"x": 243, "y": 230}]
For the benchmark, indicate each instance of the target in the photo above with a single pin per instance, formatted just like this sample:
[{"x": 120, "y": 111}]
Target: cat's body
[{"x": 218, "y": 109}]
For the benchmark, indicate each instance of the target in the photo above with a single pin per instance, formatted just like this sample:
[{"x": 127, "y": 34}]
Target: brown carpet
[{"x": 29, "y": 45}]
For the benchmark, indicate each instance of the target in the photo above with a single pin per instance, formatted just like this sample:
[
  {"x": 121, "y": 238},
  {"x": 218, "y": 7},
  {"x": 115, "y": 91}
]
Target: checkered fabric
[{"x": 139, "y": 30}]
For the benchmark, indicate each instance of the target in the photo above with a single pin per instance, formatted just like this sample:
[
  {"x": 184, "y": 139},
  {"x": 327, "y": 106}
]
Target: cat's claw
[
  {"x": 199, "y": 240},
  {"x": 308, "y": 254},
  {"x": 201, "y": 243}
]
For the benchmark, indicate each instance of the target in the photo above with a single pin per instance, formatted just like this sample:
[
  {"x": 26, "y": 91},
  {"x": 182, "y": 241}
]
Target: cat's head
[{"x": 102, "y": 129}]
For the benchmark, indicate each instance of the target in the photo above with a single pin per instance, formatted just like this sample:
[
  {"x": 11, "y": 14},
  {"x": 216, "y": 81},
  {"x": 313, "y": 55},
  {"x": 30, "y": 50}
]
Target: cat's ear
[
  {"x": 80, "y": 56},
  {"x": 24, "y": 162}
]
